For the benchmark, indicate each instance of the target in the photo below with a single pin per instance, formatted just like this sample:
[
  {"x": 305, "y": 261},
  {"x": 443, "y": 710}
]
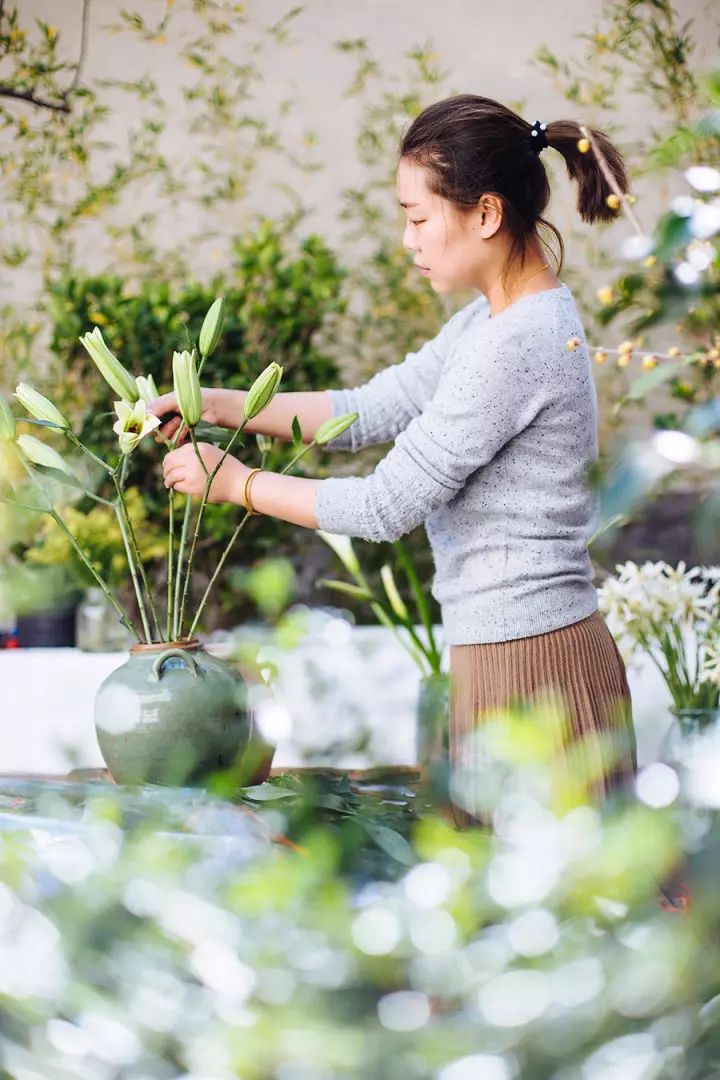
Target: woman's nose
[{"x": 405, "y": 238}]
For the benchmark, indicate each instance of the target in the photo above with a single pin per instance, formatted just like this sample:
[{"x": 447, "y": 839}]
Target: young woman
[{"x": 495, "y": 425}]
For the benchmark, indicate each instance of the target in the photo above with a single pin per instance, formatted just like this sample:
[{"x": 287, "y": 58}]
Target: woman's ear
[{"x": 488, "y": 216}]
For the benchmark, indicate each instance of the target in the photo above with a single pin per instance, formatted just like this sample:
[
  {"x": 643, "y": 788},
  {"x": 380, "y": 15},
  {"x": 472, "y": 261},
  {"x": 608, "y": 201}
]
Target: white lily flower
[{"x": 133, "y": 424}]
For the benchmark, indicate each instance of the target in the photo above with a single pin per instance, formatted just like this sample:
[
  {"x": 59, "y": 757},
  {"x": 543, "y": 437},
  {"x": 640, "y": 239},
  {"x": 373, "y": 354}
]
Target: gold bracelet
[{"x": 246, "y": 492}]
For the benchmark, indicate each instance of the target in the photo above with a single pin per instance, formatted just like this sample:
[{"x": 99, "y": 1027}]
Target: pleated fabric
[{"x": 580, "y": 670}]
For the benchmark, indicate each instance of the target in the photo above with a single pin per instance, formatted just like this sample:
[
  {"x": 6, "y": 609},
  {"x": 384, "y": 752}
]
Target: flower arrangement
[
  {"x": 134, "y": 421},
  {"x": 390, "y": 609},
  {"x": 671, "y": 615}
]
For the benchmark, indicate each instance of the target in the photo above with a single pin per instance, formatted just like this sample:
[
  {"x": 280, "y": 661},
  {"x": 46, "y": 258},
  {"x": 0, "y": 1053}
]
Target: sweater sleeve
[
  {"x": 396, "y": 395},
  {"x": 488, "y": 394}
]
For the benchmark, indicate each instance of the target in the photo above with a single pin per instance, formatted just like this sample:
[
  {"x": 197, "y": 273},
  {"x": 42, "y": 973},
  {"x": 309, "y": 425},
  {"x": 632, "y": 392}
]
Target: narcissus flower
[
  {"x": 187, "y": 387},
  {"x": 134, "y": 422},
  {"x": 263, "y": 390},
  {"x": 39, "y": 406},
  {"x": 343, "y": 548},
  {"x": 391, "y": 590},
  {"x": 40, "y": 454},
  {"x": 212, "y": 328},
  {"x": 334, "y": 427},
  {"x": 112, "y": 371}
]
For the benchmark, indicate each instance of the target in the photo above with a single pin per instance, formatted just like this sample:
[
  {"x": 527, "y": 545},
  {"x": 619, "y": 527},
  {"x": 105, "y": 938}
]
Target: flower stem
[
  {"x": 123, "y": 510},
  {"x": 171, "y": 538},
  {"x": 181, "y": 556},
  {"x": 198, "y": 522}
]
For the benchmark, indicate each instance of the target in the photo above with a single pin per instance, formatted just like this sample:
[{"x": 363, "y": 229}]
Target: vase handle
[{"x": 178, "y": 654}]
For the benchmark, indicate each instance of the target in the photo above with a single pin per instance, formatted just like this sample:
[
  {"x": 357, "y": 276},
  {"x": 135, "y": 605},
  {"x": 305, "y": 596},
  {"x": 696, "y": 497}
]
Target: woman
[{"x": 495, "y": 426}]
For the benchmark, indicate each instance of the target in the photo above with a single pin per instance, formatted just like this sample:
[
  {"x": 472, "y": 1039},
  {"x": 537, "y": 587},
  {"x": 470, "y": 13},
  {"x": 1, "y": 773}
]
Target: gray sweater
[{"x": 495, "y": 425}]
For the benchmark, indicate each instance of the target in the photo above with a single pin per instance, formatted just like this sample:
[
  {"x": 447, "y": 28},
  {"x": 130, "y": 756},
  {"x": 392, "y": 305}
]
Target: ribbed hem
[{"x": 510, "y": 619}]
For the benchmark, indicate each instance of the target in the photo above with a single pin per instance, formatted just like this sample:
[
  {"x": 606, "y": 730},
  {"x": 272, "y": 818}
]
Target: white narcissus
[{"x": 134, "y": 422}]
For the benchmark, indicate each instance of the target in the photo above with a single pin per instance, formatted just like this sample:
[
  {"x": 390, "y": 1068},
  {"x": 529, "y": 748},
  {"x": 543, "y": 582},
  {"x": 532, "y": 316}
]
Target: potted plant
[
  {"x": 670, "y": 614},
  {"x": 415, "y": 633},
  {"x": 171, "y": 713}
]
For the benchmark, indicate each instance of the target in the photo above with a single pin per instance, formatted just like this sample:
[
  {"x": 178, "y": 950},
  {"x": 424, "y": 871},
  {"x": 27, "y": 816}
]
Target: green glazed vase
[{"x": 174, "y": 714}]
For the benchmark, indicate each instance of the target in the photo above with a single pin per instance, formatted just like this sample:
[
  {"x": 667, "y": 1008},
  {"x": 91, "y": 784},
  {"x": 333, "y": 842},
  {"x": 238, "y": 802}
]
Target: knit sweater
[{"x": 495, "y": 425}]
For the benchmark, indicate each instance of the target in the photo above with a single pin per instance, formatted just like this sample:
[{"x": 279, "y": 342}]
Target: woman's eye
[{"x": 417, "y": 222}]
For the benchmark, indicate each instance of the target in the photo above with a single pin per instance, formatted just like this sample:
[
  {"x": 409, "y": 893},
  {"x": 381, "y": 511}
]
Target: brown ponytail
[{"x": 473, "y": 145}]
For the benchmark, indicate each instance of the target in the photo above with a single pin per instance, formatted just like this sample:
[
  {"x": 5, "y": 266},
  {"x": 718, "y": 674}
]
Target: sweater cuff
[{"x": 341, "y": 402}]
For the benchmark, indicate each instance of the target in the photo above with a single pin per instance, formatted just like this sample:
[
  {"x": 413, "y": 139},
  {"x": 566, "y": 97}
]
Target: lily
[
  {"x": 39, "y": 406},
  {"x": 134, "y": 422},
  {"x": 112, "y": 371}
]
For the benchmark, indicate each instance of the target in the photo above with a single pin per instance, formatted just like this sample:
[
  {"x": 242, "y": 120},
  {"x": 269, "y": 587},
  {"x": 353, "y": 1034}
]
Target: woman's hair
[{"x": 473, "y": 146}]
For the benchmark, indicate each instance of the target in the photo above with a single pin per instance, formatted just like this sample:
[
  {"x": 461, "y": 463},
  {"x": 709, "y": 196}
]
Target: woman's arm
[{"x": 225, "y": 408}]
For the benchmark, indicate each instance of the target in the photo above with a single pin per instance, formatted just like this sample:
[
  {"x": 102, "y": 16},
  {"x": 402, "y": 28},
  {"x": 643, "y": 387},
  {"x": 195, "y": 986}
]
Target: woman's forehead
[{"x": 411, "y": 183}]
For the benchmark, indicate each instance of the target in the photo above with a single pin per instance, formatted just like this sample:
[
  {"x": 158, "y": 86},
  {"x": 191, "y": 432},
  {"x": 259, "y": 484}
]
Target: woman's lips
[{"x": 423, "y": 269}]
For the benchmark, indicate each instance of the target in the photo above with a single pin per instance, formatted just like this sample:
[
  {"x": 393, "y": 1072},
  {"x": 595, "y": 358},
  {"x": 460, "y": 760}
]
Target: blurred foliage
[
  {"x": 328, "y": 928},
  {"x": 98, "y": 534}
]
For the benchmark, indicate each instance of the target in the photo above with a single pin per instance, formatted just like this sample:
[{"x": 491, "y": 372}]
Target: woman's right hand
[{"x": 166, "y": 407}]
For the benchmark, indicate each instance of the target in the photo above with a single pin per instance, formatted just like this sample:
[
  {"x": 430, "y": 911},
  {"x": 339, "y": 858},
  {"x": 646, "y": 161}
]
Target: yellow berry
[
  {"x": 673, "y": 351},
  {"x": 716, "y": 364},
  {"x": 600, "y": 357},
  {"x": 613, "y": 201},
  {"x": 624, "y": 360},
  {"x": 573, "y": 343},
  {"x": 626, "y": 346},
  {"x": 605, "y": 294},
  {"x": 650, "y": 362},
  {"x": 651, "y": 260},
  {"x": 631, "y": 198},
  {"x": 583, "y": 145}
]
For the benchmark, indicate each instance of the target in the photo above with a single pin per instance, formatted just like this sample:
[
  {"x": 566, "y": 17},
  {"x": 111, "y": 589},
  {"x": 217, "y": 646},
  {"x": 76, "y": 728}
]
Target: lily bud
[
  {"x": 40, "y": 454},
  {"x": 343, "y": 548},
  {"x": 263, "y": 390},
  {"x": 39, "y": 406},
  {"x": 7, "y": 422},
  {"x": 112, "y": 371},
  {"x": 212, "y": 328},
  {"x": 391, "y": 590},
  {"x": 357, "y": 592},
  {"x": 187, "y": 387},
  {"x": 264, "y": 443},
  {"x": 334, "y": 427},
  {"x": 146, "y": 388}
]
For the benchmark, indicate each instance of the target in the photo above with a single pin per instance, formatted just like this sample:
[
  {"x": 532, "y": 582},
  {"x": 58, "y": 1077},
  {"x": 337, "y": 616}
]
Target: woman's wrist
[{"x": 227, "y": 406}]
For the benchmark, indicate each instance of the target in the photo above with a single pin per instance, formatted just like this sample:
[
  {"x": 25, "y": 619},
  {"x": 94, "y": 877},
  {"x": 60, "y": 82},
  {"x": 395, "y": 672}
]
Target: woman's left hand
[{"x": 183, "y": 472}]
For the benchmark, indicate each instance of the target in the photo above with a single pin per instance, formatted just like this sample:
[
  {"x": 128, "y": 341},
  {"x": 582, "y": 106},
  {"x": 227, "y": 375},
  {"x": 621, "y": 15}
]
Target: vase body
[
  {"x": 690, "y": 735},
  {"x": 173, "y": 714},
  {"x": 433, "y": 722}
]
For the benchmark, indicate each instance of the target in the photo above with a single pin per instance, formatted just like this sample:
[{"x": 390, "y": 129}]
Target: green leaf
[
  {"x": 650, "y": 380},
  {"x": 60, "y": 477},
  {"x": 391, "y": 842},
  {"x": 268, "y": 792},
  {"x": 296, "y": 432}
]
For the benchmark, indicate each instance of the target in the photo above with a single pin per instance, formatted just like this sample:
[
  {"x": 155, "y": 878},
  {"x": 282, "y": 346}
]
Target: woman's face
[{"x": 446, "y": 242}]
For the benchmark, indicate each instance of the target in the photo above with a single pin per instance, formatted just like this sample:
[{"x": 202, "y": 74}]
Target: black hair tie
[{"x": 538, "y": 138}]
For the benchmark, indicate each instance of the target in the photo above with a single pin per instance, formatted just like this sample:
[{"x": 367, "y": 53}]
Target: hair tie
[{"x": 538, "y": 138}]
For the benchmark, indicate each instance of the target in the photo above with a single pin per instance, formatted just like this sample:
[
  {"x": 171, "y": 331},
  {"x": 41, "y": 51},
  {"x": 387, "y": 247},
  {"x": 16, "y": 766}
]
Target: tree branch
[
  {"x": 30, "y": 95},
  {"x": 62, "y": 102}
]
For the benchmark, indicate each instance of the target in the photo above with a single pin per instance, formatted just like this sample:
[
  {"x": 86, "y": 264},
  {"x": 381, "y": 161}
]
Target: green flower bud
[
  {"x": 187, "y": 387},
  {"x": 112, "y": 371},
  {"x": 39, "y": 406},
  {"x": 212, "y": 328},
  {"x": 264, "y": 443},
  {"x": 391, "y": 590},
  {"x": 334, "y": 427},
  {"x": 263, "y": 390},
  {"x": 146, "y": 388},
  {"x": 40, "y": 454},
  {"x": 343, "y": 548},
  {"x": 7, "y": 422},
  {"x": 355, "y": 591}
]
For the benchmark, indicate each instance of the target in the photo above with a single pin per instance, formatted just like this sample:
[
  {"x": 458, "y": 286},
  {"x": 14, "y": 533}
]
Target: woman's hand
[
  {"x": 167, "y": 404},
  {"x": 183, "y": 472}
]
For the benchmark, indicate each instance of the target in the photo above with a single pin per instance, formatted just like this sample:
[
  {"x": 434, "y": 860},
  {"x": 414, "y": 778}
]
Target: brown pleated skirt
[{"x": 579, "y": 671}]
